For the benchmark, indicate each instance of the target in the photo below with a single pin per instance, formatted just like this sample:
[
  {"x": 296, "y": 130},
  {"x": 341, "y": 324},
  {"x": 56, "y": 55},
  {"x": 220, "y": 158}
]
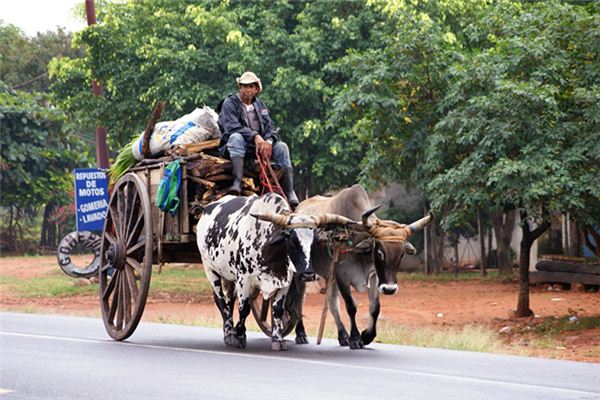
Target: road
[{"x": 58, "y": 357}]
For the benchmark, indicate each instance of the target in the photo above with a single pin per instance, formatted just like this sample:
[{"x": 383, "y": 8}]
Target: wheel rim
[
  {"x": 126, "y": 250},
  {"x": 261, "y": 310}
]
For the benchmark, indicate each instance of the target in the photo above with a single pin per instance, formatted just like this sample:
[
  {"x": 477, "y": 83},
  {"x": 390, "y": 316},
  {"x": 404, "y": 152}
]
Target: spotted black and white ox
[
  {"x": 256, "y": 243},
  {"x": 371, "y": 264}
]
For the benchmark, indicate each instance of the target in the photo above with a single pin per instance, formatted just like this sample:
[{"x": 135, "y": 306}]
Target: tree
[
  {"x": 521, "y": 135},
  {"x": 390, "y": 101},
  {"x": 37, "y": 155},
  {"x": 24, "y": 62}
]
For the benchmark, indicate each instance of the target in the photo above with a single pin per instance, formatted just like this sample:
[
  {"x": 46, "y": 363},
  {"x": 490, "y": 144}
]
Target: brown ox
[{"x": 371, "y": 265}]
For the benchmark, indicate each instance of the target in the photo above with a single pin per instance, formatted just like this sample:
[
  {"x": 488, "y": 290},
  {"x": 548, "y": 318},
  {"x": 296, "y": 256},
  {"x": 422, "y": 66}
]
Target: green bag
[{"x": 167, "y": 198}]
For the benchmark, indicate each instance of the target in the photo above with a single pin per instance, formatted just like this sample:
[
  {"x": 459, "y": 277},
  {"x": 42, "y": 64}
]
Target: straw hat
[{"x": 248, "y": 78}]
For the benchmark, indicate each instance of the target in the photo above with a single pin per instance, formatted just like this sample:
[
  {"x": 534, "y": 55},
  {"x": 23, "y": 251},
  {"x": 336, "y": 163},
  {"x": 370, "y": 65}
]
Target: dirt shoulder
[{"x": 418, "y": 304}]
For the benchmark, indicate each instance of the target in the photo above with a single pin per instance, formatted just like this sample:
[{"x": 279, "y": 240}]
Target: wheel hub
[{"x": 117, "y": 255}]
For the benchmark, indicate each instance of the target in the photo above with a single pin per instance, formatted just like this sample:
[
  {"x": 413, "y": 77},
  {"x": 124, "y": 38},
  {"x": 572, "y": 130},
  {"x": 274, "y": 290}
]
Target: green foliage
[
  {"x": 189, "y": 53},
  {"x": 37, "y": 154},
  {"x": 24, "y": 60},
  {"x": 516, "y": 131}
]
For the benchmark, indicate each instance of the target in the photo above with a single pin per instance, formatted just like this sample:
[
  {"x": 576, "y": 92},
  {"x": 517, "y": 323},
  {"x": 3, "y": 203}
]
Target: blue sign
[{"x": 91, "y": 198}]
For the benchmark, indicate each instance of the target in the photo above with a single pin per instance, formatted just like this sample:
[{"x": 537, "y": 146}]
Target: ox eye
[{"x": 380, "y": 254}]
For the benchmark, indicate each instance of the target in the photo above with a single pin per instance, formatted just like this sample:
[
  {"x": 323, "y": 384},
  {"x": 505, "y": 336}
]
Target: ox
[
  {"x": 371, "y": 264},
  {"x": 254, "y": 243}
]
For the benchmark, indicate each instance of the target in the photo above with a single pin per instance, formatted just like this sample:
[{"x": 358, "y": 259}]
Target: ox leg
[
  {"x": 355, "y": 341},
  {"x": 369, "y": 334},
  {"x": 301, "y": 337},
  {"x": 334, "y": 306},
  {"x": 223, "y": 303},
  {"x": 238, "y": 339},
  {"x": 238, "y": 336},
  {"x": 277, "y": 342}
]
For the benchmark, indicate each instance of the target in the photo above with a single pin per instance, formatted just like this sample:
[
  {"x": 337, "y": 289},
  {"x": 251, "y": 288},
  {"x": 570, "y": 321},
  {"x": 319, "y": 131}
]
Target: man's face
[{"x": 248, "y": 91}]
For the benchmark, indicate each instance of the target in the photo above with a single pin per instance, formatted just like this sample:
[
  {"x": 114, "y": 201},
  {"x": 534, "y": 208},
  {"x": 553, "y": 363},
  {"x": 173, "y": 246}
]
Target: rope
[
  {"x": 265, "y": 182},
  {"x": 389, "y": 231}
]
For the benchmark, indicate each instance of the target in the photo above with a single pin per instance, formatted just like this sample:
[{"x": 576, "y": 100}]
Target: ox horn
[
  {"x": 277, "y": 219},
  {"x": 330, "y": 219},
  {"x": 365, "y": 216},
  {"x": 420, "y": 224}
]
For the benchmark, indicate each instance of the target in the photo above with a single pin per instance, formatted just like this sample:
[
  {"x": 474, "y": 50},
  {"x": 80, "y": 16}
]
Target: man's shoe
[{"x": 237, "y": 170}]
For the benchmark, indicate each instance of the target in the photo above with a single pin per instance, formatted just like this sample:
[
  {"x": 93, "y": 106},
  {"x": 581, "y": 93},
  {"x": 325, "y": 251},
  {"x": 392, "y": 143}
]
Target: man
[{"x": 245, "y": 126}]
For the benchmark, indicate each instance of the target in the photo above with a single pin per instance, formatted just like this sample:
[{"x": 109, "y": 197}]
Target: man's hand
[{"x": 264, "y": 148}]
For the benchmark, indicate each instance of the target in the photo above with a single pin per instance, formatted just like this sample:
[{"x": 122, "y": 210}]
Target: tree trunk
[
  {"x": 504, "y": 224},
  {"x": 436, "y": 248},
  {"x": 529, "y": 237},
  {"x": 455, "y": 264},
  {"x": 48, "y": 236},
  {"x": 434, "y": 261},
  {"x": 590, "y": 233},
  {"x": 482, "y": 258}
]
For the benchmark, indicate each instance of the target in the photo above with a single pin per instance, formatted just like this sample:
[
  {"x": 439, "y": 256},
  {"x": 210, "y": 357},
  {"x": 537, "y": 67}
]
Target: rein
[{"x": 264, "y": 172}]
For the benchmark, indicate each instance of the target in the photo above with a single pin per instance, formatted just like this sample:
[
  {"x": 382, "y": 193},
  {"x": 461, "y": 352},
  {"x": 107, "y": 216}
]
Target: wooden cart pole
[{"x": 329, "y": 287}]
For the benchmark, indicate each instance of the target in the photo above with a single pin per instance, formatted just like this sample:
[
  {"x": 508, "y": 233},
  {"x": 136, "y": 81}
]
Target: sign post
[{"x": 91, "y": 198}]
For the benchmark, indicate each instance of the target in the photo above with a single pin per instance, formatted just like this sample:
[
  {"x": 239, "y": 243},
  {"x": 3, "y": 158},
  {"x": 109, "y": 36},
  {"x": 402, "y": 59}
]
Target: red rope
[{"x": 265, "y": 170}]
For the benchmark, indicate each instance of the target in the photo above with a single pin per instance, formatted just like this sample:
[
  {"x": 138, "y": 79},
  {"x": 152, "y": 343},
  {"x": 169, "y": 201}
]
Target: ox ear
[
  {"x": 364, "y": 246},
  {"x": 409, "y": 249}
]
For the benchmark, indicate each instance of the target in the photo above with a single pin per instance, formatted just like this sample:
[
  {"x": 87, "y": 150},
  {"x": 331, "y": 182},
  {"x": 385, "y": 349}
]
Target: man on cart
[{"x": 247, "y": 128}]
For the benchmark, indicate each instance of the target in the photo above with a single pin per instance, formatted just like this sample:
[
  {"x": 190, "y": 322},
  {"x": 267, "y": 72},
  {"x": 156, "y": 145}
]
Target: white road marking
[
  {"x": 553, "y": 389},
  {"x": 5, "y": 391}
]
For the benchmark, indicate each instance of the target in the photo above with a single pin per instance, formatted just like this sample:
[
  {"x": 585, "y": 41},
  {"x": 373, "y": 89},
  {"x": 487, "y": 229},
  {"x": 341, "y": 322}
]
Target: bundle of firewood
[{"x": 212, "y": 174}]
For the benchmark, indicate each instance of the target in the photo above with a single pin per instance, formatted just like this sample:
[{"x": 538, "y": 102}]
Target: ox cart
[{"x": 138, "y": 237}]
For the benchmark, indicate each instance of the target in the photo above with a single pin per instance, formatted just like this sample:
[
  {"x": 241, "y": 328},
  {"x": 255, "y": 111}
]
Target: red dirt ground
[{"x": 418, "y": 304}]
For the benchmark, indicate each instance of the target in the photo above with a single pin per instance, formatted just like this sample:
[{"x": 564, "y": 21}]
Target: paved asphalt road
[{"x": 56, "y": 357}]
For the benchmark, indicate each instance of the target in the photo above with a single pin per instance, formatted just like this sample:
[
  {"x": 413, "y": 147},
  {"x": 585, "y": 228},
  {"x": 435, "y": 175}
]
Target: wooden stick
[
  {"x": 330, "y": 281},
  {"x": 207, "y": 184}
]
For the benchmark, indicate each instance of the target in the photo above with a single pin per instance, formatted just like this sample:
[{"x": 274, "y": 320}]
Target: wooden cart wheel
[
  {"x": 126, "y": 251},
  {"x": 261, "y": 310}
]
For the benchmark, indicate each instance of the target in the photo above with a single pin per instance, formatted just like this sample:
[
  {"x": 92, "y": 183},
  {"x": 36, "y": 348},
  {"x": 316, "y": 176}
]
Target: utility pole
[{"x": 101, "y": 147}]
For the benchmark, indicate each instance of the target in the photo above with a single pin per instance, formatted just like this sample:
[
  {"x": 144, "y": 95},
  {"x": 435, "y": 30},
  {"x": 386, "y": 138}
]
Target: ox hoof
[
  {"x": 301, "y": 339},
  {"x": 366, "y": 337},
  {"x": 234, "y": 341},
  {"x": 278, "y": 346},
  {"x": 356, "y": 344},
  {"x": 344, "y": 340}
]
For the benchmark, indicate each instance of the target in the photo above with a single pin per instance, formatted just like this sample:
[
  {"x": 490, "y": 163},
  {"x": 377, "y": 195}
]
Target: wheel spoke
[
  {"x": 133, "y": 201},
  {"x": 121, "y": 203},
  {"x": 115, "y": 219},
  {"x": 137, "y": 229},
  {"x": 135, "y": 247},
  {"x": 120, "y": 303},
  {"x": 135, "y": 264},
  {"x": 115, "y": 298},
  {"x": 110, "y": 287},
  {"x": 126, "y": 297},
  {"x": 131, "y": 281}
]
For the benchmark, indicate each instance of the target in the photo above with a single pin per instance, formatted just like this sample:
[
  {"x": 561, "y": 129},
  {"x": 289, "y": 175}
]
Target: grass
[
  {"x": 468, "y": 338},
  {"x": 555, "y": 326},
  {"x": 180, "y": 279},
  {"x": 53, "y": 285}
]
